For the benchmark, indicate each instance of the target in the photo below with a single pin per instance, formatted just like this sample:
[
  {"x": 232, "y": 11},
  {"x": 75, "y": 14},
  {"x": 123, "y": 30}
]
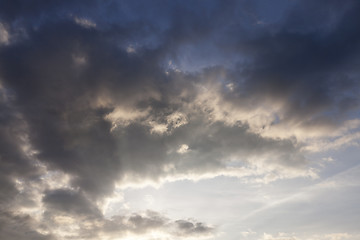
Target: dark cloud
[
  {"x": 136, "y": 223},
  {"x": 112, "y": 92},
  {"x": 37, "y": 9},
  {"x": 186, "y": 227},
  {"x": 142, "y": 223},
  {"x": 124, "y": 225},
  {"x": 18, "y": 227},
  {"x": 65, "y": 91},
  {"x": 15, "y": 161},
  {"x": 70, "y": 202},
  {"x": 65, "y": 128},
  {"x": 314, "y": 71}
]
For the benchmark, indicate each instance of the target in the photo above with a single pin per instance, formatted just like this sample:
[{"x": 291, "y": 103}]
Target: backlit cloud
[{"x": 99, "y": 97}]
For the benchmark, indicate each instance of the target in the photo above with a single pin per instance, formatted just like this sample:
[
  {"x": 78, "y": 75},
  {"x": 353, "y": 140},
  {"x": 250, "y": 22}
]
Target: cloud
[
  {"x": 90, "y": 103},
  {"x": 16, "y": 155},
  {"x": 4, "y": 35},
  {"x": 69, "y": 112},
  {"x": 186, "y": 227},
  {"x": 153, "y": 221},
  {"x": 85, "y": 22},
  {"x": 19, "y": 227},
  {"x": 70, "y": 202},
  {"x": 143, "y": 225},
  {"x": 98, "y": 95}
]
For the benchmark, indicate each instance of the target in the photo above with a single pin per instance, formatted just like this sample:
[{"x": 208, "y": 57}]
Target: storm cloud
[{"x": 100, "y": 95}]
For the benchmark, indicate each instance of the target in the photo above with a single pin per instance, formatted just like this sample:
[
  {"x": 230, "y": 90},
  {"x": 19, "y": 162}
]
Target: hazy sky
[{"x": 179, "y": 120}]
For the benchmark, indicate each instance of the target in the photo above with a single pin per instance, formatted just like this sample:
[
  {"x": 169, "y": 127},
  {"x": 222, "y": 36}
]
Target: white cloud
[
  {"x": 183, "y": 149},
  {"x": 269, "y": 118},
  {"x": 123, "y": 116},
  {"x": 4, "y": 35},
  {"x": 84, "y": 22}
]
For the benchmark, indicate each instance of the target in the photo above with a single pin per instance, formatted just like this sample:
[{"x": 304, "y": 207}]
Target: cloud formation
[{"x": 95, "y": 96}]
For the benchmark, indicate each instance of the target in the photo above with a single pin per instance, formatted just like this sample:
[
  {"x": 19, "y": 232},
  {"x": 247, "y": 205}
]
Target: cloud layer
[{"x": 95, "y": 96}]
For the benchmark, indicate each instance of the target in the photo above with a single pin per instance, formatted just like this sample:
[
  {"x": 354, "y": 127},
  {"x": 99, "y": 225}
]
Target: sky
[{"x": 179, "y": 120}]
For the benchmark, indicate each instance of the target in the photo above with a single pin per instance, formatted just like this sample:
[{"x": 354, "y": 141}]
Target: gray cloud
[
  {"x": 15, "y": 159},
  {"x": 68, "y": 125},
  {"x": 147, "y": 95},
  {"x": 70, "y": 202},
  {"x": 186, "y": 227},
  {"x": 141, "y": 223},
  {"x": 18, "y": 227},
  {"x": 80, "y": 226}
]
